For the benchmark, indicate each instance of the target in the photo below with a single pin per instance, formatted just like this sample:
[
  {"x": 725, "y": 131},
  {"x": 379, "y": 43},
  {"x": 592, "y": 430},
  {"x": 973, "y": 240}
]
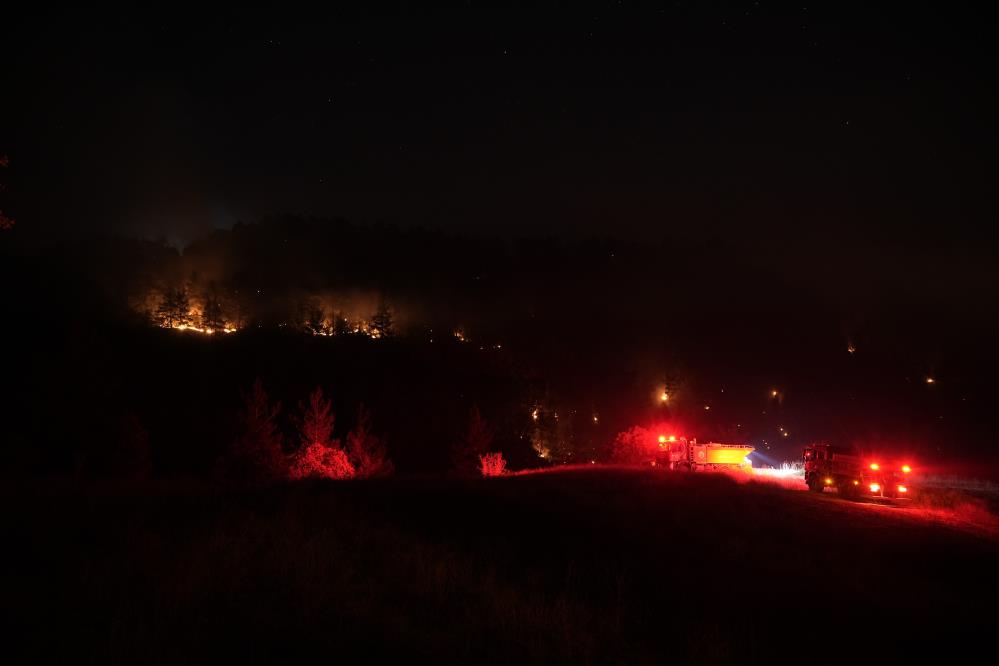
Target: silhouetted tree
[
  {"x": 473, "y": 443},
  {"x": 367, "y": 452},
  {"x": 174, "y": 309},
  {"x": 255, "y": 455},
  {"x": 381, "y": 322},
  {"x": 340, "y": 324},
  {"x": 319, "y": 455},
  {"x": 315, "y": 320},
  {"x": 212, "y": 317}
]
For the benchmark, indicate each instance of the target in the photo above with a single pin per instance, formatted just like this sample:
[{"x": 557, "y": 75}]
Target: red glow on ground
[{"x": 966, "y": 515}]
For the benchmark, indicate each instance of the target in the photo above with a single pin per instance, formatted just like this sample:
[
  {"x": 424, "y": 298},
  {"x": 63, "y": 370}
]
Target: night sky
[
  {"x": 756, "y": 121},
  {"x": 849, "y": 149}
]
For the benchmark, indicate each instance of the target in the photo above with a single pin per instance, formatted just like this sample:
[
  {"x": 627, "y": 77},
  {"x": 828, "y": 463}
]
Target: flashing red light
[
  {"x": 875, "y": 487},
  {"x": 906, "y": 469},
  {"x": 875, "y": 466},
  {"x": 662, "y": 439}
]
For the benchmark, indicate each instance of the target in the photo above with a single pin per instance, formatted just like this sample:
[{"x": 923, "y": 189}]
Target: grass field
[{"x": 582, "y": 566}]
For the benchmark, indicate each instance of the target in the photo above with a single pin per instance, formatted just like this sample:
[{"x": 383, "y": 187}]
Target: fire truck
[
  {"x": 854, "y": 475},
  {"x": 678, "y": 453}
]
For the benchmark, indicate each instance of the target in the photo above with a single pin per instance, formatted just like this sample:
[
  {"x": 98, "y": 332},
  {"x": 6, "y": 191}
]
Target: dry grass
[{"x": 588, "y": 566}]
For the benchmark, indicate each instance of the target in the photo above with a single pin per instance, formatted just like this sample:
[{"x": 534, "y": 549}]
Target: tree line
[
  {"x": 177, "y": 307},
  {"x": 257, "y": 454}
]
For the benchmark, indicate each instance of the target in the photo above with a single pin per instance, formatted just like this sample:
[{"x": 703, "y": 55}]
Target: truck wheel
[{"x": 815, "y": 485}]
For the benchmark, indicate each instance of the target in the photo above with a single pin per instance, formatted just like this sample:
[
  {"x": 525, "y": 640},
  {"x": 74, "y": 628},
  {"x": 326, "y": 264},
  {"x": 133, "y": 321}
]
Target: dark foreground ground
[{"x": 586, "y": 566}]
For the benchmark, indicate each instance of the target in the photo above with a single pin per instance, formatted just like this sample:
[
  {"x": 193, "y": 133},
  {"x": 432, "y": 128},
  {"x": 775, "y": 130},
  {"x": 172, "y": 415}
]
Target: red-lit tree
[
  {"x": 474, "y": 442},
  {"x": 319, "y": 455},
  {"x": 640, "y": 444},
  {"x": 315, "y": 420},
  {"x": 366, "y": 451},
  {"x": 256, "y": 455}
]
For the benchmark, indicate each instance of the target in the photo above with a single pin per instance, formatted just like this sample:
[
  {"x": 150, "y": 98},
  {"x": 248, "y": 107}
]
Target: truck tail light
[
  {"x": 906, "y": 469},
  {"x": 875, "y": 466},
  {"x": 875, "y": 487},
  {"x": 903, "y": 489}
]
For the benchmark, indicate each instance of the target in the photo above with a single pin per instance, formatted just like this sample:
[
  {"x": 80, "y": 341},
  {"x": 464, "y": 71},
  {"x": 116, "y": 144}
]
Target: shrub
[
  {"x": 321, "y": 461},
  {"x": 639, "y": 445},
  {"x": 492, "y": 464}
]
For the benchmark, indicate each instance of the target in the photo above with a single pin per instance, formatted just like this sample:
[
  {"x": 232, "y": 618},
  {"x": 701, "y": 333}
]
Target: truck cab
[{"x": 853, "y": 474}]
